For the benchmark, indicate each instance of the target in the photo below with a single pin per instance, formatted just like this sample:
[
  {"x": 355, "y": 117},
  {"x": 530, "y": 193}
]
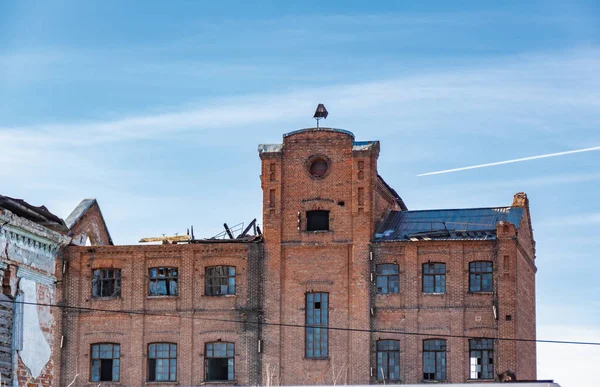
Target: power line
[{"x": 389, "y": 331}]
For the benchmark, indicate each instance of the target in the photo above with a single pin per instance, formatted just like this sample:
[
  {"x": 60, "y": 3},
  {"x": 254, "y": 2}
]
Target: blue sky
[{"x": 156, "y": 110}]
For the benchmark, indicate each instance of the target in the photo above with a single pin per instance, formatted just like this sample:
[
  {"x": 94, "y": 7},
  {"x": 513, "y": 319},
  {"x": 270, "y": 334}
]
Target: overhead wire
[{"x": 289, "y": 325}]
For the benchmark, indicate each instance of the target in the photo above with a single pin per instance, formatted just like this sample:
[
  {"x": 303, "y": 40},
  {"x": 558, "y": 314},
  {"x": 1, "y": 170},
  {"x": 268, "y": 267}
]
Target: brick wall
[{"x": 189, "y": 319}]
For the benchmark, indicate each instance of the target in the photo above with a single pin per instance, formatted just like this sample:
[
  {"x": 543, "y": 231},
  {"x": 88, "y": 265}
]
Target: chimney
[{"x": 520, "y": 200}]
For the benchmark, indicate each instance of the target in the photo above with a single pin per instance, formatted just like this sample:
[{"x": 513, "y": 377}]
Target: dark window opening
[
  {"x": 219, "y": 361},
  {"x": 388, "y": 360},
  {"x": 105, "y": 362},
  {"x": 220, "y": 280},
  {"x": 480, "y": 277},
  {"x": 106, "y": 283},
  {"x": 317, "y": 220},
  {"x": 508, "y": 317},
  {"x": 481, "y": 358},
  {"x": 434, "y": 359},
  {"x": 434, "y": 278},
  {"x": 163, "y": 281},
  {"x": 162, "y": 362},
  {"x": 317, "y": 321},
  {"x": 387, "y": 278}
]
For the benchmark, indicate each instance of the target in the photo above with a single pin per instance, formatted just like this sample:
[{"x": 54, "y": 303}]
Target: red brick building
[{"x": 344, "y": 286}]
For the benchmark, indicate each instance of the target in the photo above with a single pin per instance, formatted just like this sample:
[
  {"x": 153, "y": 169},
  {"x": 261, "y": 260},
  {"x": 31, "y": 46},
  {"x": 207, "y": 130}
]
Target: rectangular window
[
  {"x": 106, "y": 283},
  {"x": 480, "y": 277},
  {"x": 162, "y": 362},
  {"x": 219, "y": 361},
  {"x": 105, "y": 362},
  {"x": 482, "y": 358},
  {"x": 388, "y": 360},
  {"x": 434, "y": 359},
  {"x": 317, "y": 220},
  {"x": 163, "y": 281},
  {"x": 317, "y": 321},
  {"x": 434, "y": 278},
  {"x": 220, "y": 280},
  {"x": 387, "y": 278}
]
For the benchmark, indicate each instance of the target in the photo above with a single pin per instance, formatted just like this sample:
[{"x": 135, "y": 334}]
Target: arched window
[
  {"x": 434, "y": 278},
  {"x": 162, "y": 362},
  {"x": 481, "y": 352},
  {"x": 220, "y": 280},
  {"x": 434, "y": 359},
  {"x": 388, "y": 360},
  {"x": 317, "y": 321},
  {"x": 105, "y": 362},
  {"x": 480, "y": 277},
  {"x": 219, "y": 361}
]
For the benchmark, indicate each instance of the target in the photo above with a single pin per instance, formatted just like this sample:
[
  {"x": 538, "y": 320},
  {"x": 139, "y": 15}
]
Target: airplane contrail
[{"x": 511, "y": 161}]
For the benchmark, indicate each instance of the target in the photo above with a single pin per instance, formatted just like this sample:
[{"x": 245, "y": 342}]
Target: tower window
[
  {"x": 318, "y": 167},
  {"x": 317, "y": 220}
]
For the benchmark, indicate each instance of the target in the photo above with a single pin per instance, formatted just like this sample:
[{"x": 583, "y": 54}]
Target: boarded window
[
  {"x": 388, "y": 360},
  {"x": 434, "y": 278},
  {"x": 162, "y": 362},
  {"x": 317, "y": 220},
  {"x": 105, "y": 362},
  {"x": 163, "y": 281},
  {"x": 220, "y": 280},
  {"x": 106, "y": 283},
  {"x": 317, "y": 321},
  {"x": 480, "y": 277},
  {"x": 434, "y": 359},
  {"x": 219, "y": 361},
  {"x": 481, "y": 359},
  {"x": 387, "y": 278}
]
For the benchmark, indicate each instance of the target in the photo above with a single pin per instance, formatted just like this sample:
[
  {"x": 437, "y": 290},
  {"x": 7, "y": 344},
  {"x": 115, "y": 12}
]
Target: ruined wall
[
  {"x": 90, "y": 228},
  {"x": 190, "y": 319},
  {"x": 28, "y": 259}
]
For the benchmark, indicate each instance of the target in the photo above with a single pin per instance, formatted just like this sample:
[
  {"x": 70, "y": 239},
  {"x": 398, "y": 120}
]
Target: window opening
[
  {"x": 480, "y": 277},
  {"x": 482, "y": 358},
  {"x": 163, "y": 281},
  {"x": 387, "y": 278},
  {"x": 106, "y": 283},
  {"x": 434, "y": 359},
  {"x": 317, "y": 220},
  {"x": 220, "y": 280},
  {"x": 318, "y": 167},
  {"x": 317, "y": 321},
  {"x": 162, "y": 362},
  {"x": 434, "y": 278},
  {"x": 105, "y": 362},
  {"x": 388, "y": 360},
  {"x": 219, "y": 361}
]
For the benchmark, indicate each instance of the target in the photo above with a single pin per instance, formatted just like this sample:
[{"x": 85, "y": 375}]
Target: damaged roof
[
  {"x": 80, "y": 210},
  {"x": 40, "y": 215},
  {"x": 356, "y": 146},
  {"x": 456, "y": 224}
]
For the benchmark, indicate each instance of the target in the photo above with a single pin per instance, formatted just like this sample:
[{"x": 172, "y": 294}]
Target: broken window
[
  {"x": 220, "y": 280},
  {"x": 105, "y": 362},
  {"x": 106, "y": 283},
  {"x": 163, "y": 281},
  {"x": 219, "y": 361},
  {"x": 482, "y": 358},
  {"x": 434, "y": 278},
  {"x": 317, "y": 220},
  {"x": 434, "y": 359},
  {"x": 387, "y": 278},
  {"x": 317, "y": 320},
  {"x": 480, "y": 277},
  {"x": 162, "y": 362},
  {"x": 388, "y": 360}
]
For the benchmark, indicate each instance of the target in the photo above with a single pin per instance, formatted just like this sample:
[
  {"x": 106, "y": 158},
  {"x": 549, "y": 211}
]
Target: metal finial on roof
[{"x": 321, "y": 112}]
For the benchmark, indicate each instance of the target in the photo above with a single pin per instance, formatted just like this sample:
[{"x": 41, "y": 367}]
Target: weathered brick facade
[{"x": 338, "y": 258}]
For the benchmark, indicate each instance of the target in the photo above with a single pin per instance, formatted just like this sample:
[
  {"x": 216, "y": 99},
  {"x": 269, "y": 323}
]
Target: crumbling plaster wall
[{"x": 27, "y": 264}]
